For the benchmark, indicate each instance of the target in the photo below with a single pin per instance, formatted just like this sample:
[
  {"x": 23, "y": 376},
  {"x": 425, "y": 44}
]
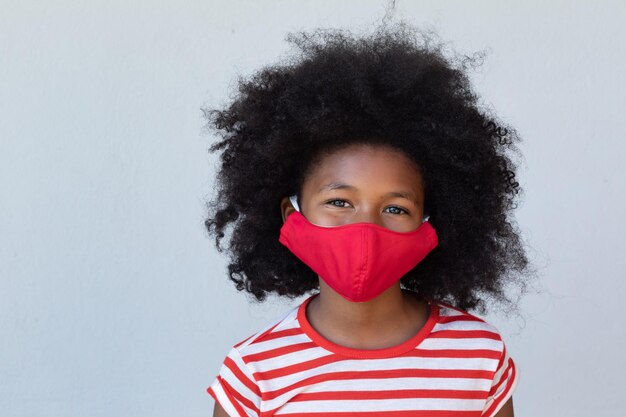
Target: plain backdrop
[{"x": 113, "y": 301}]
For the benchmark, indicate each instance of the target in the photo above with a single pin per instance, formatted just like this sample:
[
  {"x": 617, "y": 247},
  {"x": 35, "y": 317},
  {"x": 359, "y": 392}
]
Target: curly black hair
[{"x": 395, "y": 87}]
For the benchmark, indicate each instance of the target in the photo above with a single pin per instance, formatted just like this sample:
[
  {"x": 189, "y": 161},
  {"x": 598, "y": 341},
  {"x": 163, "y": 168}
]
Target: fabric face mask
[{"x": 358, "y": 260}]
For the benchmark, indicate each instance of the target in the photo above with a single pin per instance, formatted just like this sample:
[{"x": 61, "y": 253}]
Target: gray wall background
[{"x": 113, "y": 301}]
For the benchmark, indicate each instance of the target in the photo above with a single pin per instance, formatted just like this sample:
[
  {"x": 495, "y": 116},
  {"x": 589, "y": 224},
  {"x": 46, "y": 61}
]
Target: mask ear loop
[{"x": 294, "y": 203}]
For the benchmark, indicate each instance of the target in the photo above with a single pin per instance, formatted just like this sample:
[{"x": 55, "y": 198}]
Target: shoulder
[
  {"x": 455, "y": 322},
  {"x": 474, "y": 339},
  {"x": 236, "y": 386},
  {"x": 274, "y": 330},
  {"x": 470, "y": 337}
]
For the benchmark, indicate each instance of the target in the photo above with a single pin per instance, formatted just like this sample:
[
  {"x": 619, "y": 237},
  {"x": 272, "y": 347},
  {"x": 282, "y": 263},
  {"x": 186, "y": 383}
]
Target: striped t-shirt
[{"x": 455, "y": 366}]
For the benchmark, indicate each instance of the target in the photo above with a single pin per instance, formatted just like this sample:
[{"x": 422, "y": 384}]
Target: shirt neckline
[{"x": 388, "y": 352}]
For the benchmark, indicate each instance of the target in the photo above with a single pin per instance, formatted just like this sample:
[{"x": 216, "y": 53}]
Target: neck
[{"x": 384, "y": 321}]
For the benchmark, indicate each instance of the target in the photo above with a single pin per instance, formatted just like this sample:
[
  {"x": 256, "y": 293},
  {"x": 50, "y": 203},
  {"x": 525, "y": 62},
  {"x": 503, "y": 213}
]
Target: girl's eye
[
  {"x": 332, "y": 201},
  {"x": 398, "y": 208}
]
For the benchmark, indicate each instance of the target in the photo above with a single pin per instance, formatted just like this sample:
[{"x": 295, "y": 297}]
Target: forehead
[{"x": 360, "y": 165}]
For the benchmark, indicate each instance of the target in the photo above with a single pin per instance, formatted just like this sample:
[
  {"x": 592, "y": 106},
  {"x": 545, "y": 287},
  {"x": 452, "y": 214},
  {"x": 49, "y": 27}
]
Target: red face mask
[{"x": 358, "y": 260}]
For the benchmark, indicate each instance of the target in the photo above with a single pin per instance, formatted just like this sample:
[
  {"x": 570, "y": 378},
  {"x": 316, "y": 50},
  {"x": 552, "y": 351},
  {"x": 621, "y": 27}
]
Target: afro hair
[{"x": 395, "y": 87}]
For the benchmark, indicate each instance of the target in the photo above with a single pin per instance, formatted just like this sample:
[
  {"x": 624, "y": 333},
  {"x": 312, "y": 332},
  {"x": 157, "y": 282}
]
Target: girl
[{"x": 365, "y": 175}]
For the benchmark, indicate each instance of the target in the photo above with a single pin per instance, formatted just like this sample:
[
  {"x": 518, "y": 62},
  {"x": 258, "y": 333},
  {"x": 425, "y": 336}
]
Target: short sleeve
[
  {"x": 502, "y": 386},
  {"x": 235, "y": 388}
]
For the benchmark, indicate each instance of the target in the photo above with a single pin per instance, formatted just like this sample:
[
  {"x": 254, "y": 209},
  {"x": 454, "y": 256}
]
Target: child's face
[{"x": 368, "y": 176}]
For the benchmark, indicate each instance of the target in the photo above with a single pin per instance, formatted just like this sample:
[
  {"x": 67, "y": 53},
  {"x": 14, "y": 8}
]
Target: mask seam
[{"x": 364, "y": 256}]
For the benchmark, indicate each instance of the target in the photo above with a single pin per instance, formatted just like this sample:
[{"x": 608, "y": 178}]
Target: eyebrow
[{"x": 341, "y": 186}]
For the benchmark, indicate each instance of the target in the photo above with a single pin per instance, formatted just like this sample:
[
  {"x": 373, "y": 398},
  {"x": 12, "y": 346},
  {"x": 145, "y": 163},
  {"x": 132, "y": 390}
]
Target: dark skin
[{"x": 368, "y": 174}]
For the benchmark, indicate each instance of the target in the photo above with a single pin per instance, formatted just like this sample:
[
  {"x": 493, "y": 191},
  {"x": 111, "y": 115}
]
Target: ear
[{"x": 286, "y": 208}]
